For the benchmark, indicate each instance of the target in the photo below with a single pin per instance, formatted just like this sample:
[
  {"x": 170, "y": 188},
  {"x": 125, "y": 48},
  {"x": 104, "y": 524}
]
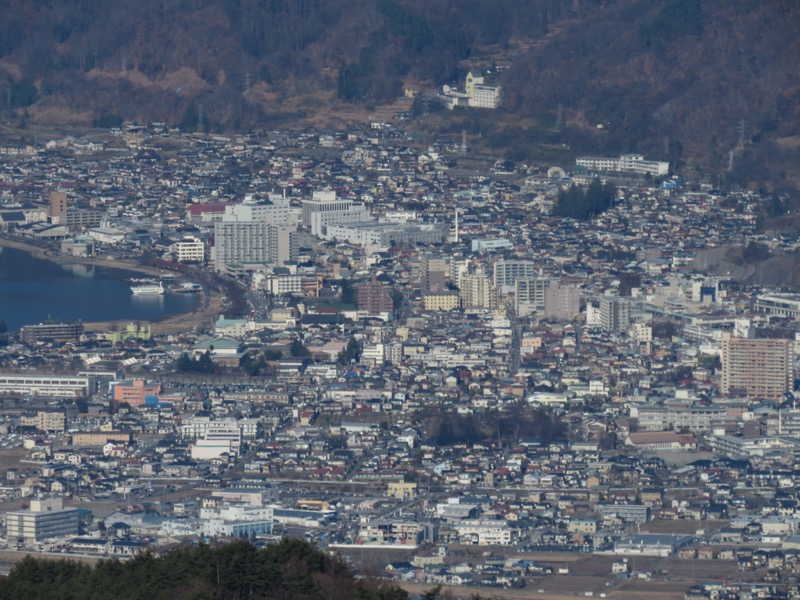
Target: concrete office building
[
  {"x": 697, "y": 419},
  {"x": 756, "y": 368},
  {"x": 529, "y": 294},
  {"x": 562, "y": 302},
  {"x": 55, "y": 386},
  {"x": 615, "y": 313},
  {"x": 221, "y": 437},
  {"x": 237, "y": 521},
  {"x": 45, "y": 519},
  {"x": 385, "y": 235},
  {"x": 477, "y": 291},
  {"x": 546, "y": 297},
  {"x": 52, "y": 332},
  {"x": 80, "y": 218},
  {"x": 189, "y": 249},
  {"x": 433, "y": 274},
  {"x": 325, "y": 209},
  {"x": 507, "y": 272},
  {"x": 783, "y": 305}
]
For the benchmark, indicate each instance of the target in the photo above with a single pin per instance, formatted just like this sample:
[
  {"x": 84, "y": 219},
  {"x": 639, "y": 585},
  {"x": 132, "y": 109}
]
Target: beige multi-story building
[
  {"x": 100, "y": 438},
  {"x": 45, "y": 420},
  {"x": 401, "y": 489},
  {"x": 57, "y": 211},
  {"x": 433, "y": 274},
  {"x": 756, "y": 368},
  {"x": 442, "y": 301}
]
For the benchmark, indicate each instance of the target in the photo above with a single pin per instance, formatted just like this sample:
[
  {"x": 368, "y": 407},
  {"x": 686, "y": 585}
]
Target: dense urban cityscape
[{"x": 519, "y": 380}]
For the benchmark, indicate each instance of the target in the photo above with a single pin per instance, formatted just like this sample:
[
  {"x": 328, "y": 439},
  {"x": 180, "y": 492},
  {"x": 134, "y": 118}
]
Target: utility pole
[
  {"x": 200, "y": 124},
  {"x": 741, "y": 128}
]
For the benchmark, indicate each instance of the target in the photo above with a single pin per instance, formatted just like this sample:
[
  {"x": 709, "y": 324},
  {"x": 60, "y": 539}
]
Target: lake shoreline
[
  {"x": 203, "y": 315},
  {"x": 46, "y": 254}
]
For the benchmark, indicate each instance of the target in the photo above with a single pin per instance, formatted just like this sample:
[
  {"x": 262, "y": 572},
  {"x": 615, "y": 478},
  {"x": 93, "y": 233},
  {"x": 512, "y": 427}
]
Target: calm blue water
[{"x": 32, "y": 289}]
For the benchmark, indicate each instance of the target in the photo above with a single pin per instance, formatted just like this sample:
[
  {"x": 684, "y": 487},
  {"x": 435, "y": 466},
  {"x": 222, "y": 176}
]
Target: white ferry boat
[{"x": 148, "y": 289}]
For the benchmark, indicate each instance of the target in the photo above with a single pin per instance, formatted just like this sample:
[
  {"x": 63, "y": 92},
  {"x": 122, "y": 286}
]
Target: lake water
[{"x": 33, "y": 289}]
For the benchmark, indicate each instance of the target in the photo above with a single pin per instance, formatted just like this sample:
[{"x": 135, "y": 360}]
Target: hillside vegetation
[
  {"x": 669, "y": 78},
  {"x": 291, "y": 569}
]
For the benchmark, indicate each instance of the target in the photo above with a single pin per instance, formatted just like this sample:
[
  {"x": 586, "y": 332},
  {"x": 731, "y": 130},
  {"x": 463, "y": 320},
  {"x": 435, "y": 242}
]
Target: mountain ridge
[{"x": 671, "y": 79}]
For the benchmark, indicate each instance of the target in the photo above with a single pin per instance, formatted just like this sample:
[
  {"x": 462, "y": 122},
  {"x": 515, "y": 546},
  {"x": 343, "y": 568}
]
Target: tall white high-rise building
[
  {"x": 757, "y": 368},
  {"x": 263, "y": 233},
  {"x": 244, "y": 242}
]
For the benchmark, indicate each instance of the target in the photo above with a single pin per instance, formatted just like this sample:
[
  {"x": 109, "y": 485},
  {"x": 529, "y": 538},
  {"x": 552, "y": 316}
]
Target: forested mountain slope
[{"x": 669, "y": 78}]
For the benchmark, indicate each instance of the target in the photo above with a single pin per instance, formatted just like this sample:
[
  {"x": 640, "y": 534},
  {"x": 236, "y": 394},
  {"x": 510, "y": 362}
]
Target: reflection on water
[
  {"x": 149, "y": 299},
  {"x": 31, "y": 289},
  {"x": 79, "y": 269}
]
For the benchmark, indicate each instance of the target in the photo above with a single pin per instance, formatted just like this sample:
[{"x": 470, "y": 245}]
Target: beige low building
[
  {"x": 101, "y": 438},
  {"x": 443, "y": 301},
  {"x": 401, "y": 489}
]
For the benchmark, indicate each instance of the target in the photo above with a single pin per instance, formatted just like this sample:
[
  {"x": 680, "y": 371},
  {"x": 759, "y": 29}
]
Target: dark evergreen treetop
[
  {"x": 583, "y": 204},
  {"x": 288, "y": 570}
]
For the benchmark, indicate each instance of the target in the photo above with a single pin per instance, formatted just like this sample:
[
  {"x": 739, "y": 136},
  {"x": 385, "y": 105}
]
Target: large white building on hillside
[
  {"x": 625, "y": 163},
  {"x": 479, "y": 94},
  {"x": 476, "y": 94}
]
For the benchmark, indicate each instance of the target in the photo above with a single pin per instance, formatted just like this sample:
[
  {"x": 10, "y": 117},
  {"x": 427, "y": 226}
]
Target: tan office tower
[
  {"x": 433, "y": 274},
  {"x": 57, "y": 210},
  {"x": 756, "y": 368}
]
